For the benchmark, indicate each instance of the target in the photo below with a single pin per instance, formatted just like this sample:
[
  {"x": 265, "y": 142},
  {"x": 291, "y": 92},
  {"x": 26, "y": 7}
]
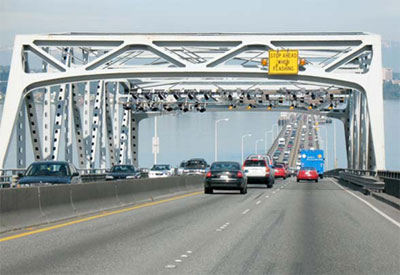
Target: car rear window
[
  {"x": 255, "y": 163},
  {"x": 123, "y": 169},
  {"x": 196, "y": 164},
  {"x": 225, "y": 166},
  {"x": 160, "y": 167},
  {"x": 308, "y": 168}
]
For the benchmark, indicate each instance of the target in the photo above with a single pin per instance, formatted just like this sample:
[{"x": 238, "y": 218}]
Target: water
[{"x": 192, "y": 135}]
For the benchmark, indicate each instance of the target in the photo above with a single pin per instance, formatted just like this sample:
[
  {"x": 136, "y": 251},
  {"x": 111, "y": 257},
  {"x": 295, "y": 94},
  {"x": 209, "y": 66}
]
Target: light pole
[
  {"x": 216, "y": 137},
  {"x": 266, "y": 140},
  {"x": 243, "y": 137},
  {"x": 334, "y": 142},
  {"x": 156, "y": 141},
  {"x": 257, "y": 141}
]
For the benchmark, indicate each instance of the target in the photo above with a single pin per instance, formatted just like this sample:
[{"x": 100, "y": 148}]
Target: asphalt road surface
[{"x": 293, "y": 228}]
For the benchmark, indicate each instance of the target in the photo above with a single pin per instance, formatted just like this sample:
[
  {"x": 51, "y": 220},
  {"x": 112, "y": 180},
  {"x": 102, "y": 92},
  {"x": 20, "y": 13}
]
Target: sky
[{"x": 46, "y": 16}]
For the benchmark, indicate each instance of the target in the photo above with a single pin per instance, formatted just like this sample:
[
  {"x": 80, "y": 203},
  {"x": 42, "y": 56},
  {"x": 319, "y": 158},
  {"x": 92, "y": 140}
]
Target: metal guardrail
[
  {"x": 389, "y": 174},
  {"x": 9, "y": 177},
  {"x": 387, "y": 181},
  {"x": 333, "y": 172},
  {"x": 367, "y": 182},
  {"x": 87, "y": 171}
]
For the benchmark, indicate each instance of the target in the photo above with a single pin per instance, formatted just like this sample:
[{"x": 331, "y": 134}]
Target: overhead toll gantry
[{"x": 96, "y": 87}]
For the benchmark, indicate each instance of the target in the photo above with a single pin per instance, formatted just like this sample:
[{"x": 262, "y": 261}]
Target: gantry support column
[{"x": 135, "y": 119}]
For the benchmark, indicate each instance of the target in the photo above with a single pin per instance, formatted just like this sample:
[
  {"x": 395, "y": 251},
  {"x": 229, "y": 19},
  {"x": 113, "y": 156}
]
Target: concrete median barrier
[
  {"x": 56, "y": 202},
  {"x": 20, "y": 208},
  {"x": 30, "y": 206},
  {"x": 93, "y": 197}
]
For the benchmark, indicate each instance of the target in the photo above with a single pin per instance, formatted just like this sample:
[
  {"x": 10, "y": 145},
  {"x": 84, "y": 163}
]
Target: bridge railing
[
  {"x": 387, "y": 181},
  {"x": 389, "y": 174},
  {"x": 9, "y": 177}
]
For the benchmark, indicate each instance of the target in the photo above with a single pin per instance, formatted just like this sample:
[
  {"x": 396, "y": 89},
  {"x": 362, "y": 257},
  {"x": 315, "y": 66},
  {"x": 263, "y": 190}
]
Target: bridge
[
  {"x": 82, "y": 95},
  {"x": 134, "y": 76}
]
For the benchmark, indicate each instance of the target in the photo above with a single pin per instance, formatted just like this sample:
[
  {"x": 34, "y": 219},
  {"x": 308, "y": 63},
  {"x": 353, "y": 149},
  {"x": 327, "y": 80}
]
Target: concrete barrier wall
[{"x": 30, "y": 206}]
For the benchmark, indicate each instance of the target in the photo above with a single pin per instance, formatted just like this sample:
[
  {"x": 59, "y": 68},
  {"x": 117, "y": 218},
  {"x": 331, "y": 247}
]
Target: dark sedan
[
  {"x": 118, "y": 172},
  {"x": 225, "y": 175},
  {"x": 48, "y": 173}
]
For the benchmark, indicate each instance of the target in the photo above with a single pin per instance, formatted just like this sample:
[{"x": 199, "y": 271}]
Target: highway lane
[{"x": 293, "y": 228}]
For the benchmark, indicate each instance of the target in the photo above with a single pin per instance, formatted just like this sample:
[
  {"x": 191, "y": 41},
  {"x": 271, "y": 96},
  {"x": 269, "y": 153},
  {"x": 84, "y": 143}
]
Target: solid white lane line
[
  {"x": 258, "y": 202},
  {"x": 245, "y": 211},
  {"x": 368, "y": 204}
]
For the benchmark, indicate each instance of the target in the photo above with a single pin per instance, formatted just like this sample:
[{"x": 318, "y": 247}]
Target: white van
[{"x": 281, "y": 141}]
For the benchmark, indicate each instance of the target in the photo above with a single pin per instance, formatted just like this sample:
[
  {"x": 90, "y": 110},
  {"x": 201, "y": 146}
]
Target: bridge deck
[{"x": 294, "y": 228}]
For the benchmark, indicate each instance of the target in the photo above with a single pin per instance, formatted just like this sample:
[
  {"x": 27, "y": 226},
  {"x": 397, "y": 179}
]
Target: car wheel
[
  {"x": 243, "y": 191},
  {"x": 284, "y": 178},
  {"x": 322, "y": 176},
  {"x": 298, "y": 180},
  {"x": 316, "y": 180},
  {"x": 208, "y": 191}
]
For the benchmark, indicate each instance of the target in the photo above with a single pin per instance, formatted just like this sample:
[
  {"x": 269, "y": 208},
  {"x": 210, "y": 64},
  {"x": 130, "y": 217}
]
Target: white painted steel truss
[{"x": 86, "y": 93}]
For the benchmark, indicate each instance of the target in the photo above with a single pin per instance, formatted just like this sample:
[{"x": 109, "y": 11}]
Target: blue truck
[{"x": 313, "y": 158}]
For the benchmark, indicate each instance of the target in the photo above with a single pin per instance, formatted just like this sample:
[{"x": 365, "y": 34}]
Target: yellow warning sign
[{"x": 283, "y": 62}]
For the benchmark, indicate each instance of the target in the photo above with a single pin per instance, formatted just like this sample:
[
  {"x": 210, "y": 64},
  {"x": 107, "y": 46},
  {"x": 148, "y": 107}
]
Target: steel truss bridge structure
[{"x": 83, "y": 94}]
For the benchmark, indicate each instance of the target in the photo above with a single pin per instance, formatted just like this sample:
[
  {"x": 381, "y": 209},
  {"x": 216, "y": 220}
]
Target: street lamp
[
  {"x": 334, "y": 142},
  {"x": 216, "y": 138},
  {"x": 257, "y": 141},
  {"x": 266, "y": 140},
  {"x": 243, "y": 137}
]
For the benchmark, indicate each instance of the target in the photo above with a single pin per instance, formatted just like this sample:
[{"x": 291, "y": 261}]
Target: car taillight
[
  {"x": 267, "y": 170},
  {"x": 208, "y": 175},
  {"x": 239, "y": 174},
  {"x": 243, "y": 167}
]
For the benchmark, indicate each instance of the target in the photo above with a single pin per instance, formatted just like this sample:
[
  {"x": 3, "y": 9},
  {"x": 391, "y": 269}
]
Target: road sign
[{"x": 283, "y": 62}]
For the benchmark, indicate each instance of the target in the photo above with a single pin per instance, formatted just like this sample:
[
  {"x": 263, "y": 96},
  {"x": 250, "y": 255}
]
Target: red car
[
  {"x": 307, "y": 173},
  {"x": 280, "y": 171}
]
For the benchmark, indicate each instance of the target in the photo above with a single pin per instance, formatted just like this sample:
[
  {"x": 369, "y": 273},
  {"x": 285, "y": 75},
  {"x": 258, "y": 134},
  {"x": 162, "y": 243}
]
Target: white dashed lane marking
[
  {"x": 245, "y": 211},
  {"x": 170, "y": 266},
  {"x": 258, "y": 202},
  {"x": 267, "y": 196}
]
